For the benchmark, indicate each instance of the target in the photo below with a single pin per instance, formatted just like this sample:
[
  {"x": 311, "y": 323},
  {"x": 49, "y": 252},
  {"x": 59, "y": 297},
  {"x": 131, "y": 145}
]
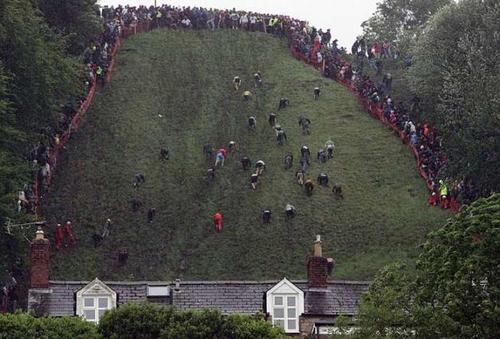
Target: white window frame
[
  {"x": 95, "y": 291},
  {"x": 284, "y": 290}
]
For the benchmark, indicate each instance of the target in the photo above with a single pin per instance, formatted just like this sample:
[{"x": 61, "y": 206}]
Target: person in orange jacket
[
  {"x": 218, "y": 221},
  {"x": 68, "y": 231},
  {"x": 58, "y": 236}
]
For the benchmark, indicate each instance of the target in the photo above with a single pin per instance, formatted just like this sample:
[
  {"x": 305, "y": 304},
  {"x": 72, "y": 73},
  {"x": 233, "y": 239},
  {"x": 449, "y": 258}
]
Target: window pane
[
  {"x": 279, "y": 312},
  {"x": 290, "y": 301},
  {"x": 88, "y": 302},
  {"x": 103, "y": 302},
  {"x": 101, "y": 313},
  {"x": 278, "y": 300},
  {"x": 279, "y": 323},
  {"x": 292, "y": 325},
  {"x": 291, "y": 313},
  {"x": 89, "y": 314}
]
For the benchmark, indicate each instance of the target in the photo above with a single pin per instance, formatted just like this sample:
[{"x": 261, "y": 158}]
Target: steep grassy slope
[{"x": 185, "y": 76}]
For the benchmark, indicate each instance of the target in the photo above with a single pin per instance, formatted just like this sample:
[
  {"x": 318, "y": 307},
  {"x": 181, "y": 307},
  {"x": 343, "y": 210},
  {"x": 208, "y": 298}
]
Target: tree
[
  {"x": 456, "y": 77},
  {"x": 398, "y": 20},
  {"x": 135, "y": 321},
  {"x": 76, "y": 20},
  {"x": 153, "y": 321},
  {"x": 42, "y": 76},
  {"x": 454, "y": 291},
  {"x": 12, "y": 171},
  {"x": 386, "y": 306}
]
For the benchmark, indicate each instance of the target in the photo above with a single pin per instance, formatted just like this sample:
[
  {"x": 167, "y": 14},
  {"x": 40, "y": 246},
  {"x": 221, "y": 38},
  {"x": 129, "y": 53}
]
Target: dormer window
[
  {"x": 95, "y": 299},
  {"x": 285, "y": 303}
]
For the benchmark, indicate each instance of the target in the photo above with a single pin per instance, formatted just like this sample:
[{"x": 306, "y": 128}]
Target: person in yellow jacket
[{"x": 443, "y": 193}]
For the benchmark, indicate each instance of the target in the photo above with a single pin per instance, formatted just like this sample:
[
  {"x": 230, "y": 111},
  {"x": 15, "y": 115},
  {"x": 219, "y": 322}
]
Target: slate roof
[
  {"x": 62, "y": 300},
  {"x": 341, "y": 298},
  {"x": 243, "y": 297},
  {"x": 248, "y": 297}
]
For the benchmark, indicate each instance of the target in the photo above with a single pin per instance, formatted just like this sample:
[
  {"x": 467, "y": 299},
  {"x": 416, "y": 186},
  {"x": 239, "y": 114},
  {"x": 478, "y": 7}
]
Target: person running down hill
[
  {"x": 236, "y": 83},
  {"x": 218, "y": 222},
  {"x": 220, "y": 157}
]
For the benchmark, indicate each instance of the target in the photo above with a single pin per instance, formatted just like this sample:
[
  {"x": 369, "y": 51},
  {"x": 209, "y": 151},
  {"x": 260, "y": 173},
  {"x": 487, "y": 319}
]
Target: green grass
[{"x": 186, "y": 76}]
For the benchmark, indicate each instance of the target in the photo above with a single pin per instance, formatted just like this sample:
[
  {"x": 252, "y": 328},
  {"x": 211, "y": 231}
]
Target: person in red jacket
[
  {"x": 218, "y": 221},
  {"x": 68, "y": 231},
  {"x": 58, "y": 236}
]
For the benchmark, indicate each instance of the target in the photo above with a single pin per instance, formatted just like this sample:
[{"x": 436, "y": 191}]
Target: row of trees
[
  {"x": 41, "y": 71},
  {"x": 454, "y": 290},
  {"x": 147, "y": 321},
  {"x": 455, "y": 75}
]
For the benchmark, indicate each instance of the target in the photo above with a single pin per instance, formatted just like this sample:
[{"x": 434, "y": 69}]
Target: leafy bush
[
  {"x": 23, "y": 325},
  {"x": 153, "y": 321}
]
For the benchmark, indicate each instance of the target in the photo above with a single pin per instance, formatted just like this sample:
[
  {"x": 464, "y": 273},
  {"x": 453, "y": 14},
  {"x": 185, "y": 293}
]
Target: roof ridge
[{"x": 205, "y": 282}]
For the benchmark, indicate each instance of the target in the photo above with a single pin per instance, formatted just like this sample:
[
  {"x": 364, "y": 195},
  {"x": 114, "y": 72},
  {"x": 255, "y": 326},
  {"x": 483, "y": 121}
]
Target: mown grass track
[{"x": 186, "y": 77}]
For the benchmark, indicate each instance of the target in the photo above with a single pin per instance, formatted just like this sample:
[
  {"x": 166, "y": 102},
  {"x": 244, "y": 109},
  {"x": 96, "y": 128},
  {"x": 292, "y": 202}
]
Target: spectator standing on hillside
[
  {"x": 68, "y": 231},
  {"x": 211, "y": 19},
  {"x": 443, "y": 193},
  {"x": 244, "y": 21},
  {"x": 58, "y": 236},
  {"x": 386, "y": 50},
  {"x": 327, "y": 36},
  {"x": 235, "y": 18},
  {"x": 253, "y": 21},
  {"x": 387, "y": 80}
]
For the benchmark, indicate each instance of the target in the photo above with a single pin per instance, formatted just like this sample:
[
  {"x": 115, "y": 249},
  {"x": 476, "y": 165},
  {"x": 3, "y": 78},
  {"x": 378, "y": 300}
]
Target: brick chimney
[
  {"x": 40, "y": 261},
  {"x": 318, "y": 267}
]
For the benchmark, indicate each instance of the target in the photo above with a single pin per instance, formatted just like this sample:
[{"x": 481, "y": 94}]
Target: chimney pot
[
  {"x": 318, "y": 252},
  {"x": 39, "y": 235}
]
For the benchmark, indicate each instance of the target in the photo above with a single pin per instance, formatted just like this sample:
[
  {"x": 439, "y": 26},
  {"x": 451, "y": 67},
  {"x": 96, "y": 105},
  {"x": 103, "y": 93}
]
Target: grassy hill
[{"x": 186, "y": 77}]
